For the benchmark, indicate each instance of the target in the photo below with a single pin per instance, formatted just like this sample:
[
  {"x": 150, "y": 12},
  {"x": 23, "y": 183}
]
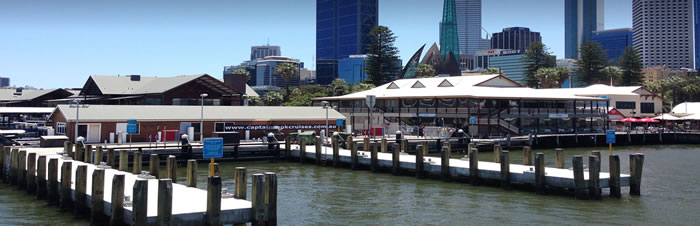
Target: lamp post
[
  {"x": 77, "y": 117},
  {"x": 326, "y": 105},
  {"x": 201, "y": 119}
]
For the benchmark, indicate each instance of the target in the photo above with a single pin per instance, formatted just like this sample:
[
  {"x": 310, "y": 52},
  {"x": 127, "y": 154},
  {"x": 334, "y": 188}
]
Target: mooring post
[
  {"x": 165, "y": 202},
  {"x": 78, "y": 155},
  {"x": 41, "y": 178},
  {"x": 137, "y": 163},
  {"x": 52, "y": 193},
  {"x": 123, "y": 160},
  {"x": 110, "y": 158},
  {"x": 354, "y": 160},
  {"x": 191, "y": 173},
  {"x": 594, "y": 177},
  {"x": 240, "y": 180},
  {"x": 14, "y": 160},
  {"x": 527, "y": 156},
  {"x": 271, "y": 197},
  {"x": 117, "y": 210},
  {"x": 97, "y": 200},
  {"x": 474, "y": 166},
  {"x": 66, "y": 201},
  {"x": 445, "y": 162},
  {"x": 336, "y": 150},
  {"x": 99, "y": 155},
  {"x": 213, "y": 214},
  {"x": 395, "y": 162},
  {"x": 615, "y": 176},
  {"x": 140, "y": 207},
  {"x": 88, "y": 154},
  {"x": 68, "y": 148},
  {"x": 505, "y": 169},
  {"x": 31, "y": 173},
  {"x": 302, "y": 152},
  {"x": 3, "y": 160},
  {"x": 539, "y": 173},
  {"x": 374, "y": 162},
  {"x": 258, "y": 211},
  {"x": 384, "y": 146},
  {"x": 319, "y": 146},
  {"x": 636, "y": 164},
  {"x": 559, "y": 154},
  {"x": 497, "y": 152},
  {"x": 171, "y": 168},
  {"x": 80, "y": 203},
  {"x": 365, "y": 144},
  {"x": 404, "y": 146},
  {"x": 420, "y": 161},
  {"x": 579, "y": 181},
  {"x": 22, "y": 169},
  {"x": 154, "y": 165},
  {"x": 349, "y": 143}
]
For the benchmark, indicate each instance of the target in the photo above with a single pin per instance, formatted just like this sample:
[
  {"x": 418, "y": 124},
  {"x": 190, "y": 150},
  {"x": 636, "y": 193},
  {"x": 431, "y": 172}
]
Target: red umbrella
[
  {"x": 647, "y": 120},
  {"x": 630, "y": 119}
]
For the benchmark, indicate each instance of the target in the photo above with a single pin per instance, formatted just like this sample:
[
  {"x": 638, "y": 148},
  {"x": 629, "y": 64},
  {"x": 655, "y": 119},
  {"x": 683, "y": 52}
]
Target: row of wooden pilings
[
  {"x": 25, "y": 173},
  {"x": 583, "y": 191}
]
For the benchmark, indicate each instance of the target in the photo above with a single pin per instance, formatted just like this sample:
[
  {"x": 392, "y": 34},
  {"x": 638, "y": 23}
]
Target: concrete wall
[{"x": 638, "y": 100}]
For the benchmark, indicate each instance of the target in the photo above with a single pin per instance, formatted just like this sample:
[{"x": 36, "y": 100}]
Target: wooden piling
[
  {"x": 99, "y": 155},
  {"x": 110, "y": 158},
  {"x": 365, "y": 144},
  {"x": 420, "y": 161},
  {"x": 137, "y": 163},
  {"x": 615, "y": 176},
  {"x": 14, "y": 155},
  {"x": 88, "y": 154},
  {"x": 171, "y": 168},
  {"x": 594, "y": 177},
  {"x": 191, "y": 173},
  {"x": 374, "y": 162},
  {"x": 579, "y": 181},
  {"x": 497, "y": 153},
  {"x": 165, "y": 202},
  {"x": 123, "y": 160},
  {"x": 302, "y": 152},
  {"x": 349, "y": 143},
  {"x": 31, "y": 173},
  {"x": 213, "y": 215},
  {"x": 383, "y": 147},
  {"x": 445, "y": 162},
  {"x": 97, "y": 216},
  {"x": 154, "y": 165},
  {"x": 4, "y": 152},
  {"x": 41, "y": 178},
  {"x": 505, "y": 169},
  {"x": 117, "y": 200},
  {"x": 636, "y": 164},
  {"x": 527, "y": 156},
  {"x": 52, "y": 192},
  {"x": 319, "y": 146},
  {"x": 140, "y": 203},
  {"x": 271, "y": 197},
  {"x": 354, "y": 160},
  {"x": 240, "y": 181},
  {"x": 395, "y": 162},
  {"x": 80, "y": 202},
  {"x": 559, "y": 154},
  {"x": 258, "y": 211},
  {"x": 474, "y": 166},
  {"x": 336, "y": 151},
  {"x": 404, "y": 146},
  {"x": 22, "y": 169},
  {"x": 539, "y": 173},
  {"x": 78, "y": 155},
  {"x": 68, "y": 148},
  {"x": 66, "y": 173}
]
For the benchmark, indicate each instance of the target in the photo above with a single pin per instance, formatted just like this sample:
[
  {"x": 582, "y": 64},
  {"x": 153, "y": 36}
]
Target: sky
[{"x": 58, "y": 44}]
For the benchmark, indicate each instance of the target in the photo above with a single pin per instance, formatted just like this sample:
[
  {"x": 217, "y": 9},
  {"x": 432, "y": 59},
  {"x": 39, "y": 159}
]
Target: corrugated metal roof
[
  {"x": 27, "y": 94},
  {"x": 97, "y": 113},
  {"x": 123, "y": 85}
]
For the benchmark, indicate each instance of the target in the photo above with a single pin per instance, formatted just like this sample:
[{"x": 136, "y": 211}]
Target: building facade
[
  {"x": 342, "y": 29},
  {"x": 266, "y": 73},
  {"x": 664, "y": 32},
  {"x": 514, "y": 38},
  {"x": 512, "y": 66},
  {"x": 469, "y": 26},
  {"x": 352, "y": 69},
  {"x": 581, "y": 19},
  {"x": 482, "y": 57},
  {"x": 613, "y": 41},
  {"x": 263, "y": 51},
  {"x": 4, "y": 82}
]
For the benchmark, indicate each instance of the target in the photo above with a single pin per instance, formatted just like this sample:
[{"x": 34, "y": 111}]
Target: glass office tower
[{"x": 581, "y": 19}]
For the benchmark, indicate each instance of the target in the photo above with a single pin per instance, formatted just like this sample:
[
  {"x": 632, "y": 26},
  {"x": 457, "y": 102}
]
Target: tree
[
  {"x": 631, "y": 65},
  {"x": 593, "y": 59},
  {"x": 255, "y": 101},
  {"x": 563, "y": 73},
  {"x": 425, "y": 71},
  {"x": 287, "y": 71},
  {"x": 243, "y": 72},
  {"x": 272, "y": 98},
  {"x": 491, "y": 71},
  {"x": 538, "y": 56},
  {"x": 383, "y": 56},
  {"x": 612, "y": 74},
  {"x": 338, "y": 87},
  {"x": 547, "y": 77},
  {"x": 361, "y": 87}
]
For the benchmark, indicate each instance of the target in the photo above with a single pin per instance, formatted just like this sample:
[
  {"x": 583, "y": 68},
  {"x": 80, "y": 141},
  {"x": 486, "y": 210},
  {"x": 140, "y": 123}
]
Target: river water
[{"x": 323, "y": 195}]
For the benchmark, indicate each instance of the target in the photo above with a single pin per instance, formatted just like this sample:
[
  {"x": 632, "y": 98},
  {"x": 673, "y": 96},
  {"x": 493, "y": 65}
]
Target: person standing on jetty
[{"x": 421, "y": 131}]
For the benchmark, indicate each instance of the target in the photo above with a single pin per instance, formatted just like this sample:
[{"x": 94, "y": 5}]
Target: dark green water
[{"x": 322, "y": 195}]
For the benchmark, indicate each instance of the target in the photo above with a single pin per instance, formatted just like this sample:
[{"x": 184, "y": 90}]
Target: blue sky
[{"x": 51, "y": 44}]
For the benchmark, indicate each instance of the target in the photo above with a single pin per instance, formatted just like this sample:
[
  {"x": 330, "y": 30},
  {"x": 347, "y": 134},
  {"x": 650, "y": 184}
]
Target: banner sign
[{"x": 280, "y": 127}]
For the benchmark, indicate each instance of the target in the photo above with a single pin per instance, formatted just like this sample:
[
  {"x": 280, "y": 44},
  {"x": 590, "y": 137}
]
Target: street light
[
  {"x": 201, "y": 121},
  {"x": 326, "y": 105}
]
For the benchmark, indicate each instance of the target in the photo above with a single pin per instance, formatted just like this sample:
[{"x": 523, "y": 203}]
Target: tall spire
[{"x": 449, "y": 41}]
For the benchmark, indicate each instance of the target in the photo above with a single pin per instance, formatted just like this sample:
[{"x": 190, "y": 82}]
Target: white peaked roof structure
[{"x": 479, "y": 86}]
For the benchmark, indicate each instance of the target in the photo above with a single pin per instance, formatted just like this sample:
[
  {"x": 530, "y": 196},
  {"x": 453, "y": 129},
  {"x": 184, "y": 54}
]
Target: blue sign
[
  {"x": 339, "y": 122},
  {"x": 472, "y": 120},
  {"x": 213, "y": 148},
  {"x": 131, "y": 121},
  {"x": 132, "y": 128},
  {"x": 610, "y": 137},
  {"x": 426, "y": 115}
]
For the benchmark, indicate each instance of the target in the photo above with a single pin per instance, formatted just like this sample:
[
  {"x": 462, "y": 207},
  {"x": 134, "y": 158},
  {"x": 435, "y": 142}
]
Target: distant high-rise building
[
  {"x": 4, "y": 82},
  {"x": 342, "y": 29},
  {"x": 514, "y": 38},
  {"x": 352, "y": 69},
  {"x": 513, "y": 66},
  {"x": 263, "y": 51},
  {"x": 468, "y": 14},
  {"x": 664, "y": 32},
  {"x": 613, "y": 41},
  {"x": 449, "y": 40},
  {"x": 581, "y": 19},
  {"x": 266, "y": 73}
]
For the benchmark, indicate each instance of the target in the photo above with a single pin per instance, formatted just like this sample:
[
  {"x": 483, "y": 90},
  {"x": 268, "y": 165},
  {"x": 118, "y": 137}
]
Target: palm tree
[
  {"x": 287, "y": 71},
  {"x": 243, "y": 72},
  {"x": 563, "y": 73},
  {"x": 613, "y": 74},
  {"x": 546, "y": 77}
]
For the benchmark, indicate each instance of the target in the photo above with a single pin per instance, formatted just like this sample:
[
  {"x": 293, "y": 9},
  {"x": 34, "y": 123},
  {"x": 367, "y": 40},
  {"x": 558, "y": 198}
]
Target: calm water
[{"x": 324, "y": 195}]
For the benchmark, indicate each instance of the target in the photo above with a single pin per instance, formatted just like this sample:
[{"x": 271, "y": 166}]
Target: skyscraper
[
  {"x": 613, "y": 41},
  {"x": 342, "y": 29},
  {"x": 514, "y": 38},
  {"x": 664, "y": 32},
  {"x": 263, "y": 51},
  {"x": 581, "y": 19},
  {"x": 468, "y": 14},
  {"x": 449, "y": 41}
]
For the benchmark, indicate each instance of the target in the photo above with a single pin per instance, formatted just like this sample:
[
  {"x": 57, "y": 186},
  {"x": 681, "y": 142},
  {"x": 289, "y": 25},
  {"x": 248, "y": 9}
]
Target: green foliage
[
  {"x": 676, "y": 90},
  {"x": 243, "y": 72},
  {"x": 338, "y": 87},
  {"x": 547, "y": 77},
  {"x": 613, "y": 74},
  {"x": 287, "y": 71},
  {"x": 272, "y": 98},
  {"x": 383, "y": 56},
  {"x": 631, "y": 65},
  {"x": 255, "y": 101},
  {"x": 425, "y": 71},
  {"x": 592, "y": 61},
  {"x": 538, "y": 55},
  {"x": 563, "y": 73},
  {"x": 491, "y": 71},
  {"x": 361, "y": 87}
]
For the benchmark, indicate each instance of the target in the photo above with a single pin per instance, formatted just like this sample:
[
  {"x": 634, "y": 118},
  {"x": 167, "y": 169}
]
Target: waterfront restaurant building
[
  {"x": 103, "y": 123},
  {"x": 483, "y": 105}
]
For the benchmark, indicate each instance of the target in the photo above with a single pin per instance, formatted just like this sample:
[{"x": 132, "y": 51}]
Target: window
[
  {"x": 60, "y": 128},
  {"x": 647, "y": 108},
  {"x": 196, "y": 127},
  {"x": 625, "y": 105},
  {"x": 223, "y": 127}
]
